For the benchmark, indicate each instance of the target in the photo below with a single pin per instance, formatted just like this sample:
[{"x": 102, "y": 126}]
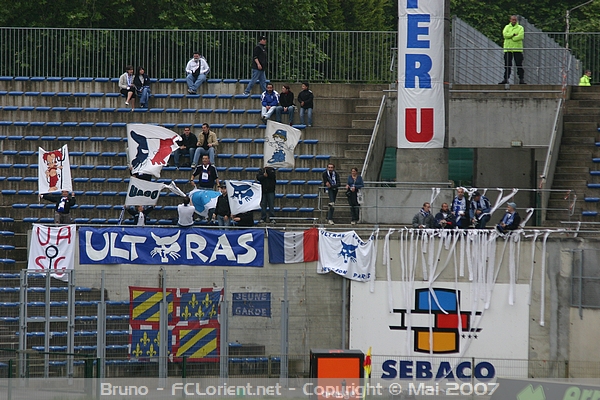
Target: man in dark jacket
[
  {"x": 222, "y": 210},
  {"x": 267, "y": 179},
  {"x": 140, "y": 214},
  {"x": 305, "y": 98},
  {"x": 259, "y": 66},
  {"x": 286, "y": 104},
  {"x": 331, "y": 181},
  {"x": 511, "y": 219},
  {"x": 187, "y": 145},
  {"x": 64, "y": 202}
]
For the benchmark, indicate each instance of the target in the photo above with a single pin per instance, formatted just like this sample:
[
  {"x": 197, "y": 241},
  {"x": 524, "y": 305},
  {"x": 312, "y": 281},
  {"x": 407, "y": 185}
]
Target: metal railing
[{"x": 294, "y": 56}]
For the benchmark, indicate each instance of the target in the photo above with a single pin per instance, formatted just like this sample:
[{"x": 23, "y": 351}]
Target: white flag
[
  {"x": 149, "y": 147},
  {"x": 280, "y": 142},
  {"x": 52, "y": 249},
  {"x": 243, "y": 196},
  {"x": 143, "y": 193},
  {"x": 346, "y": 254},
  {"x": 54, "y": 170}
]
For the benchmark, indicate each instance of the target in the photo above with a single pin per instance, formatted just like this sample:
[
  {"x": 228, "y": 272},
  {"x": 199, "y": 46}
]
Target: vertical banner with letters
[{"x": 421, "y": 122}]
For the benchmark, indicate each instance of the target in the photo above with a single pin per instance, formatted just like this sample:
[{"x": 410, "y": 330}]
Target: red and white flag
[
  {"x": 54, "y": 170},
  {"x": 149, "y": 148}
]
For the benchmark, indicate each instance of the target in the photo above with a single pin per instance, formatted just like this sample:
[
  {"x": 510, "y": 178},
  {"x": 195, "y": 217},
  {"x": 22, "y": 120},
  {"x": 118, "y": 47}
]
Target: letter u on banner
[{"x": 425, "y": 133}]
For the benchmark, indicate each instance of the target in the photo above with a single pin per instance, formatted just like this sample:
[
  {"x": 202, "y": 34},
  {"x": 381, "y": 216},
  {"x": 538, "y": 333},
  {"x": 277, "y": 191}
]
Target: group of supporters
[{"x": 474, "y": 213}]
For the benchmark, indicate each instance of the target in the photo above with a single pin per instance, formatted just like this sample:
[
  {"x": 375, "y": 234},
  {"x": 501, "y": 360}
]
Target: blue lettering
[
  {"x": 389, "y": 370},
  {"x": 488, "y": 368},
  {"x": 412, "y": 4},
  {"x": 423, "y": 370},
  {"x": 418, "y": 66},
  {"x": 413, "y": 31},
  {"x": 444, "y": 371},
  {"x": 460, "y": 374},
  {"x": 406, "y": 370}
]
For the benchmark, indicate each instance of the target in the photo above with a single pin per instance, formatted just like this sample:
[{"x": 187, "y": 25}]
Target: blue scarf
[
  {"x": 424, "y": 213},
  {"x": 508, "y": 218}
]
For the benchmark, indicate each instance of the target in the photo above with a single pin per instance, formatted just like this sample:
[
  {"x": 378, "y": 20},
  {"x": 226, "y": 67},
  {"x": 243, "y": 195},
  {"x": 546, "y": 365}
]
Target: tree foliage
[{"x": 196, "y": 14}]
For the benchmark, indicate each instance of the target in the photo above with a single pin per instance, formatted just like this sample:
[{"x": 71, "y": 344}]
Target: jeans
[
  {"x": 222, "y": 221},
  {"x": 201, "y": 152},
  {"x": 332, "y": 196},
  {"x": 279, "y": 111},
  {"x": 261, "y": 77},
  {"x": 178, "y": 153},
  {"x": 482, "y": 222},
  {"x": 144, "y": 95},
  {"x": 194, "y": 83},
  {"x": 267, "y": 199},
  {"x": 354, "y": 206},
  {"x": 309, "y": 112},
  {"x": 267, "y": 113}
]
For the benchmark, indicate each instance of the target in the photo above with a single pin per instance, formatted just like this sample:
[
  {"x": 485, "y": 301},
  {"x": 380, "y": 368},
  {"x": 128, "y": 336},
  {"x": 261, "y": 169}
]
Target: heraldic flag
[
  {"x": 243, "y": 196},
  {"x": 149, "y": 148},
  {"x": 280, "y": 142},
  {"x": 293, "y": 247},
  {"x": 54, "y": 170}
]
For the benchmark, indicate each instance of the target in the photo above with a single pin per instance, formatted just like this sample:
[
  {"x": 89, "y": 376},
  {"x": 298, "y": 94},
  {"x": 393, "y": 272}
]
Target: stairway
[{"x": 578, "y": 159}]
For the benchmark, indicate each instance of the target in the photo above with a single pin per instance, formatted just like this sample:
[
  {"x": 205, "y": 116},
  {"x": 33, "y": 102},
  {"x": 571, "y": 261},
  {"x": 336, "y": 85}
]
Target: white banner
[
  {"x": 54, "y": 170},
  {"x": 243, "y": 196},
  {"x": 145, "y": 193},
  {"x": 149, "y": 147},
  {"x": 280, "y": 142},
  {"x": 346, "y": 254},
  {"x": 421, "y": 121},
  {"x": 52, "y": 248}
]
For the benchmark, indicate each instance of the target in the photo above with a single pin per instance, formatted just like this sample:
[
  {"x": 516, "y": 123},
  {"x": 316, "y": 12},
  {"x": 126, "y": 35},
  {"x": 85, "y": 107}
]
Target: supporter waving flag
[
  {"x": 54, "y": 170},
  {"x": 149, "y": 147}
]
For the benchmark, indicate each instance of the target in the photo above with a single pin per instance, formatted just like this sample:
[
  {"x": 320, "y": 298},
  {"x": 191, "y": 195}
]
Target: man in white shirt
[
  {"x": 186, "y": 213},
  {"x": 196, "y": 69}
]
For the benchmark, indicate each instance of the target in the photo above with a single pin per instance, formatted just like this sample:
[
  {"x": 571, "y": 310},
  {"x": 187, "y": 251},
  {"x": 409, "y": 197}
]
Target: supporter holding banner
[
  {"x": 54, "y": 171},
  {"x": 171, "y": 246},
  {"x": 52, "y": 249},
  {"x": 346, "y": 254},
  {"x": 280, "y": 142},
  {"x": 243, "y": 196},
  {"x": 149, "y": 148},
  {"x": 146, "y": 193}
]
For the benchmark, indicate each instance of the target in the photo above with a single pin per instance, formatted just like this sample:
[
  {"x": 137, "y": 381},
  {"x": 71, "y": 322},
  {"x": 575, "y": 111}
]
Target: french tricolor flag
[{"x": 293, "y": 247}]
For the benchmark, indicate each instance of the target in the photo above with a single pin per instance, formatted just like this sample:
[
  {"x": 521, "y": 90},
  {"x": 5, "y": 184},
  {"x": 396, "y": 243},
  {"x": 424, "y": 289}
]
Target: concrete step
[
  {"x": 583, "y": 171},
  {"x": 361, "y": 139},
  {"x": 579, "y": 140},
  {"x": 371, "y": 94},
  {"x": 582, "y": 117},
  {"x": 363, "y": 124},
  {"x": 577, "y": 133},
  {"x": 368, "y": 109},
  {"x": 585, "y": 96},
  {"x": 355, "y": 154},
  {"x": 582, "y": 126}
]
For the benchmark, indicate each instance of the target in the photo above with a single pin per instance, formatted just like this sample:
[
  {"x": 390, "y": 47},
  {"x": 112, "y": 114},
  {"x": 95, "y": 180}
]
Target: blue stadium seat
[
  {"x": 256, "y": 156},
  {"x": 589, "y": 213},
  {"x": 209, "y": 96},
  {"x": 314, "y": 182},
  {"x": 244, "y": 140},
  {"x": 297, "y": 182},
  {"x": 233, "y": 126},
  {"x": 253, "y": 111},
  {"x": 205, "y": 110},
  {"x": 96, "y": 94},
  {"x": 160, "y": 95},
  {"x": 249, "y": 126},
  {"x": 310, "y": 195},
  {"x": 592, "y": 199},
  {"x": 230, "y": 81},
  {"x": 16, "y": 93},
  {"x": 80, "y": 94},
  {"x": 91, "y": 109},
  {"x": 54, "y": 123}
]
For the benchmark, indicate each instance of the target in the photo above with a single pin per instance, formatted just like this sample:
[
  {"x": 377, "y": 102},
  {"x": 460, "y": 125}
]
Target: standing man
[
  {"x": 140, "y": 214},
  {"x": 207, "y": 142},
  {"x": 207, "y": 175},
  {"x": 479, "y": 210},
  {"x": 305, "y": 98},
  {"x": 423, "y": 219},
  {"x": 331, "y": 181},
  {"x": 64, "y": 202},
  {"x": 270, "y": 101},
  {"x": 185, "y": 213},
  {"x": 196, "y": 70},
  {"x": 267, "y": 180},
  {"x": 513, "y": 48},
  {"x": 286, "y": 104},
  {"x": 222, "y": 213},
  {"x": 187, "y": 145},
  {"x": 459, "y": 208},
  {"x": 259, "y": 66}
]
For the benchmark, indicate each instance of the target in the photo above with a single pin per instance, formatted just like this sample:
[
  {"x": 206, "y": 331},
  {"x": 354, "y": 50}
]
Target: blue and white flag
[
  {"x": 146, "y": 193},
  {"x": 204, "y": 200},
  {"x": 280, "y": 142},
  {"x": 149, "y": 148},
  {"x": 243, "y": 196},
  {"x": 346, "y": 254}
]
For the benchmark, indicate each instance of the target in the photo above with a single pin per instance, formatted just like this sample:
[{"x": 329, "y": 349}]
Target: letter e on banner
[{"x": 421, "y": 120}]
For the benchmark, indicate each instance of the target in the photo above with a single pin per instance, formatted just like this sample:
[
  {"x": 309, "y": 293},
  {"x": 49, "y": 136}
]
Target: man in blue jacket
[{"x": 270, "y": 101}]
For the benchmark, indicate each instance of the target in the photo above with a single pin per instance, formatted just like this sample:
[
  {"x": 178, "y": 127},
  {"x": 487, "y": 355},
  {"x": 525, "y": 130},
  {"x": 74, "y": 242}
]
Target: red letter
[
  {"x": 60, "y": 236},
  {"x": 410, "y": 125},
  {"x": 40, "y": 237}
]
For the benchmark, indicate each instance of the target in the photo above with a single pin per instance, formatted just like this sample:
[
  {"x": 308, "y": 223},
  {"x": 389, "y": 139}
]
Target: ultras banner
[
  {"x": 421, "y": 122},
  {"x": 171, "y": 246}
]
